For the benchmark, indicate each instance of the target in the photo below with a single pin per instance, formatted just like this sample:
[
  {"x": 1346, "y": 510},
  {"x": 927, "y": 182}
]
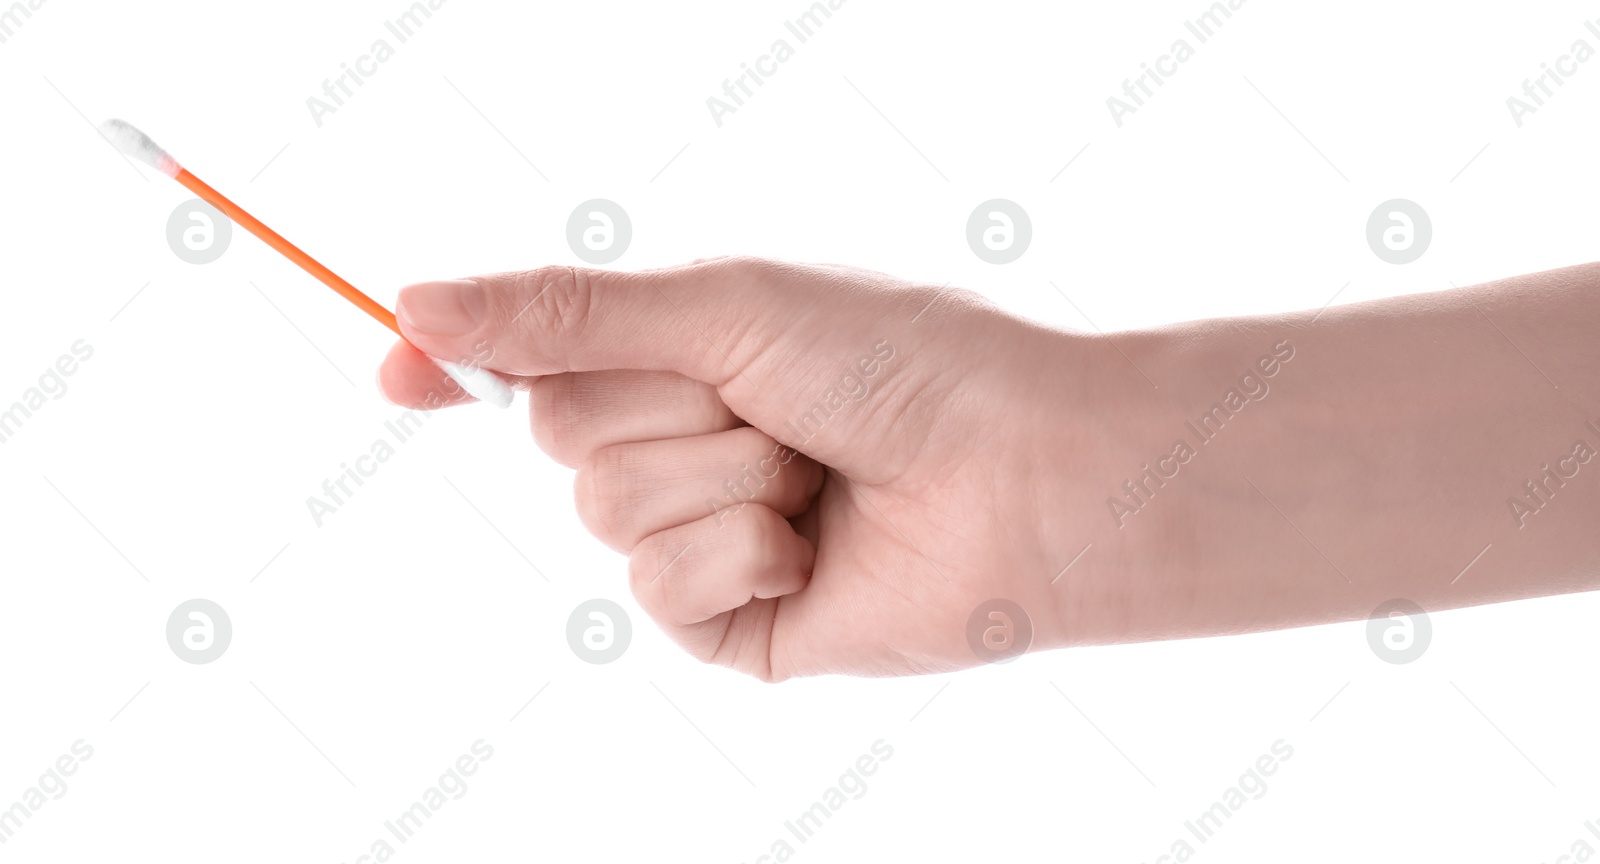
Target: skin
[{"x": 963, "y": 454}]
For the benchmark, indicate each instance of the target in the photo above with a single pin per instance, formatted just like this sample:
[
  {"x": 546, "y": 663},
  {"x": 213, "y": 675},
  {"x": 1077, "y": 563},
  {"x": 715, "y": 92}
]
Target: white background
[{"x": 373, "y": 651}]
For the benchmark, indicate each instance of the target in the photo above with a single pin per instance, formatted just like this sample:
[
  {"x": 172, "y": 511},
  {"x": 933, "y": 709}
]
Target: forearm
[{"x": 1388, "y": 458}]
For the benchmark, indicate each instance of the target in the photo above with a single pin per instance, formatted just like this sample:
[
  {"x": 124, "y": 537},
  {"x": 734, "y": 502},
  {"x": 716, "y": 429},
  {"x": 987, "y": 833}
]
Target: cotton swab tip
[
  {"x": 482, "y": 384},
  {"x": 127, "y": 138}
]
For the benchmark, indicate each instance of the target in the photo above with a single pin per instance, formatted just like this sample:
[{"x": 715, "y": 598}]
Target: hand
[{"x": 812, "y": 469}]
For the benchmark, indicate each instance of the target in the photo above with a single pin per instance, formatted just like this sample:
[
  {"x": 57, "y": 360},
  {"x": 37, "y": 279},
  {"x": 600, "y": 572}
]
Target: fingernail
[{"x": 448, "y": 308}]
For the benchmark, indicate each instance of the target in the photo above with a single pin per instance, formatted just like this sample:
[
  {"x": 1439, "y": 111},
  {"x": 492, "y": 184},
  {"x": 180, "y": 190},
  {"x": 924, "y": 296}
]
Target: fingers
[
  {"x": 409, "y": 378},
  {"x": 627, "y": 492},
  {"x": 853, "y": 368},
  {"x": 704, "y": 583},
  {"x": 575, "y": 414},
  {"x": 790, "y": 348}
]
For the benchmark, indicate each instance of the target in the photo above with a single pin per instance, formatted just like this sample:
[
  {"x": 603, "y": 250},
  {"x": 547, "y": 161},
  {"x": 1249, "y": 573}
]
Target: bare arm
[{"x": 1441, "y": 448}]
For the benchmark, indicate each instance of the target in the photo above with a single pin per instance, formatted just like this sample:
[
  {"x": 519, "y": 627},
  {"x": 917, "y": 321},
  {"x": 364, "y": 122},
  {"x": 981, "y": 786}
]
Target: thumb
[
  {"x": 795, "y": 350},
  {"x": 568, "y": 319}
]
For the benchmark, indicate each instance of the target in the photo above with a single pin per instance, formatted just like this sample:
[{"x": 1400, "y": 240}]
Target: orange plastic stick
[{"x": 289, "y": 250}]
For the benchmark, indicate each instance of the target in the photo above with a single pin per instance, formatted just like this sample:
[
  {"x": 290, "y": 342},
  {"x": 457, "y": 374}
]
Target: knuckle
[
  {"x": 602, "y": 489},
  {"x": 747, "y": 266},
  {"x": 754, "y": 542},
  {"x": 556, "y": 419},
  {"x": 657, "y": 574},
  {"x": 555, "y": 300},
  {"x": 643, "y": 562},
  {"x": 673, "y": 595},
  {"x": 963, "y": 298}
]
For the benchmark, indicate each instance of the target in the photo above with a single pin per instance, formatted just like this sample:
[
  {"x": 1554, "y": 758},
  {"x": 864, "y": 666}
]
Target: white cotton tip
[
  {"x": 127, "y": 138},
  {"x": 482, "y": 384}
]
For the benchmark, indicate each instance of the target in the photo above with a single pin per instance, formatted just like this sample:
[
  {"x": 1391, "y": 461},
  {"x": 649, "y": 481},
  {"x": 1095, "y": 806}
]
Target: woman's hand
[{"x": 820, "y": 469}]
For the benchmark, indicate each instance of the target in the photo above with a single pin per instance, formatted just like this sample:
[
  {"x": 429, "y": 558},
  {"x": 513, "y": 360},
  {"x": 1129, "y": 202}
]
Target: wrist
[{"x": 1148, "y": 484}]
